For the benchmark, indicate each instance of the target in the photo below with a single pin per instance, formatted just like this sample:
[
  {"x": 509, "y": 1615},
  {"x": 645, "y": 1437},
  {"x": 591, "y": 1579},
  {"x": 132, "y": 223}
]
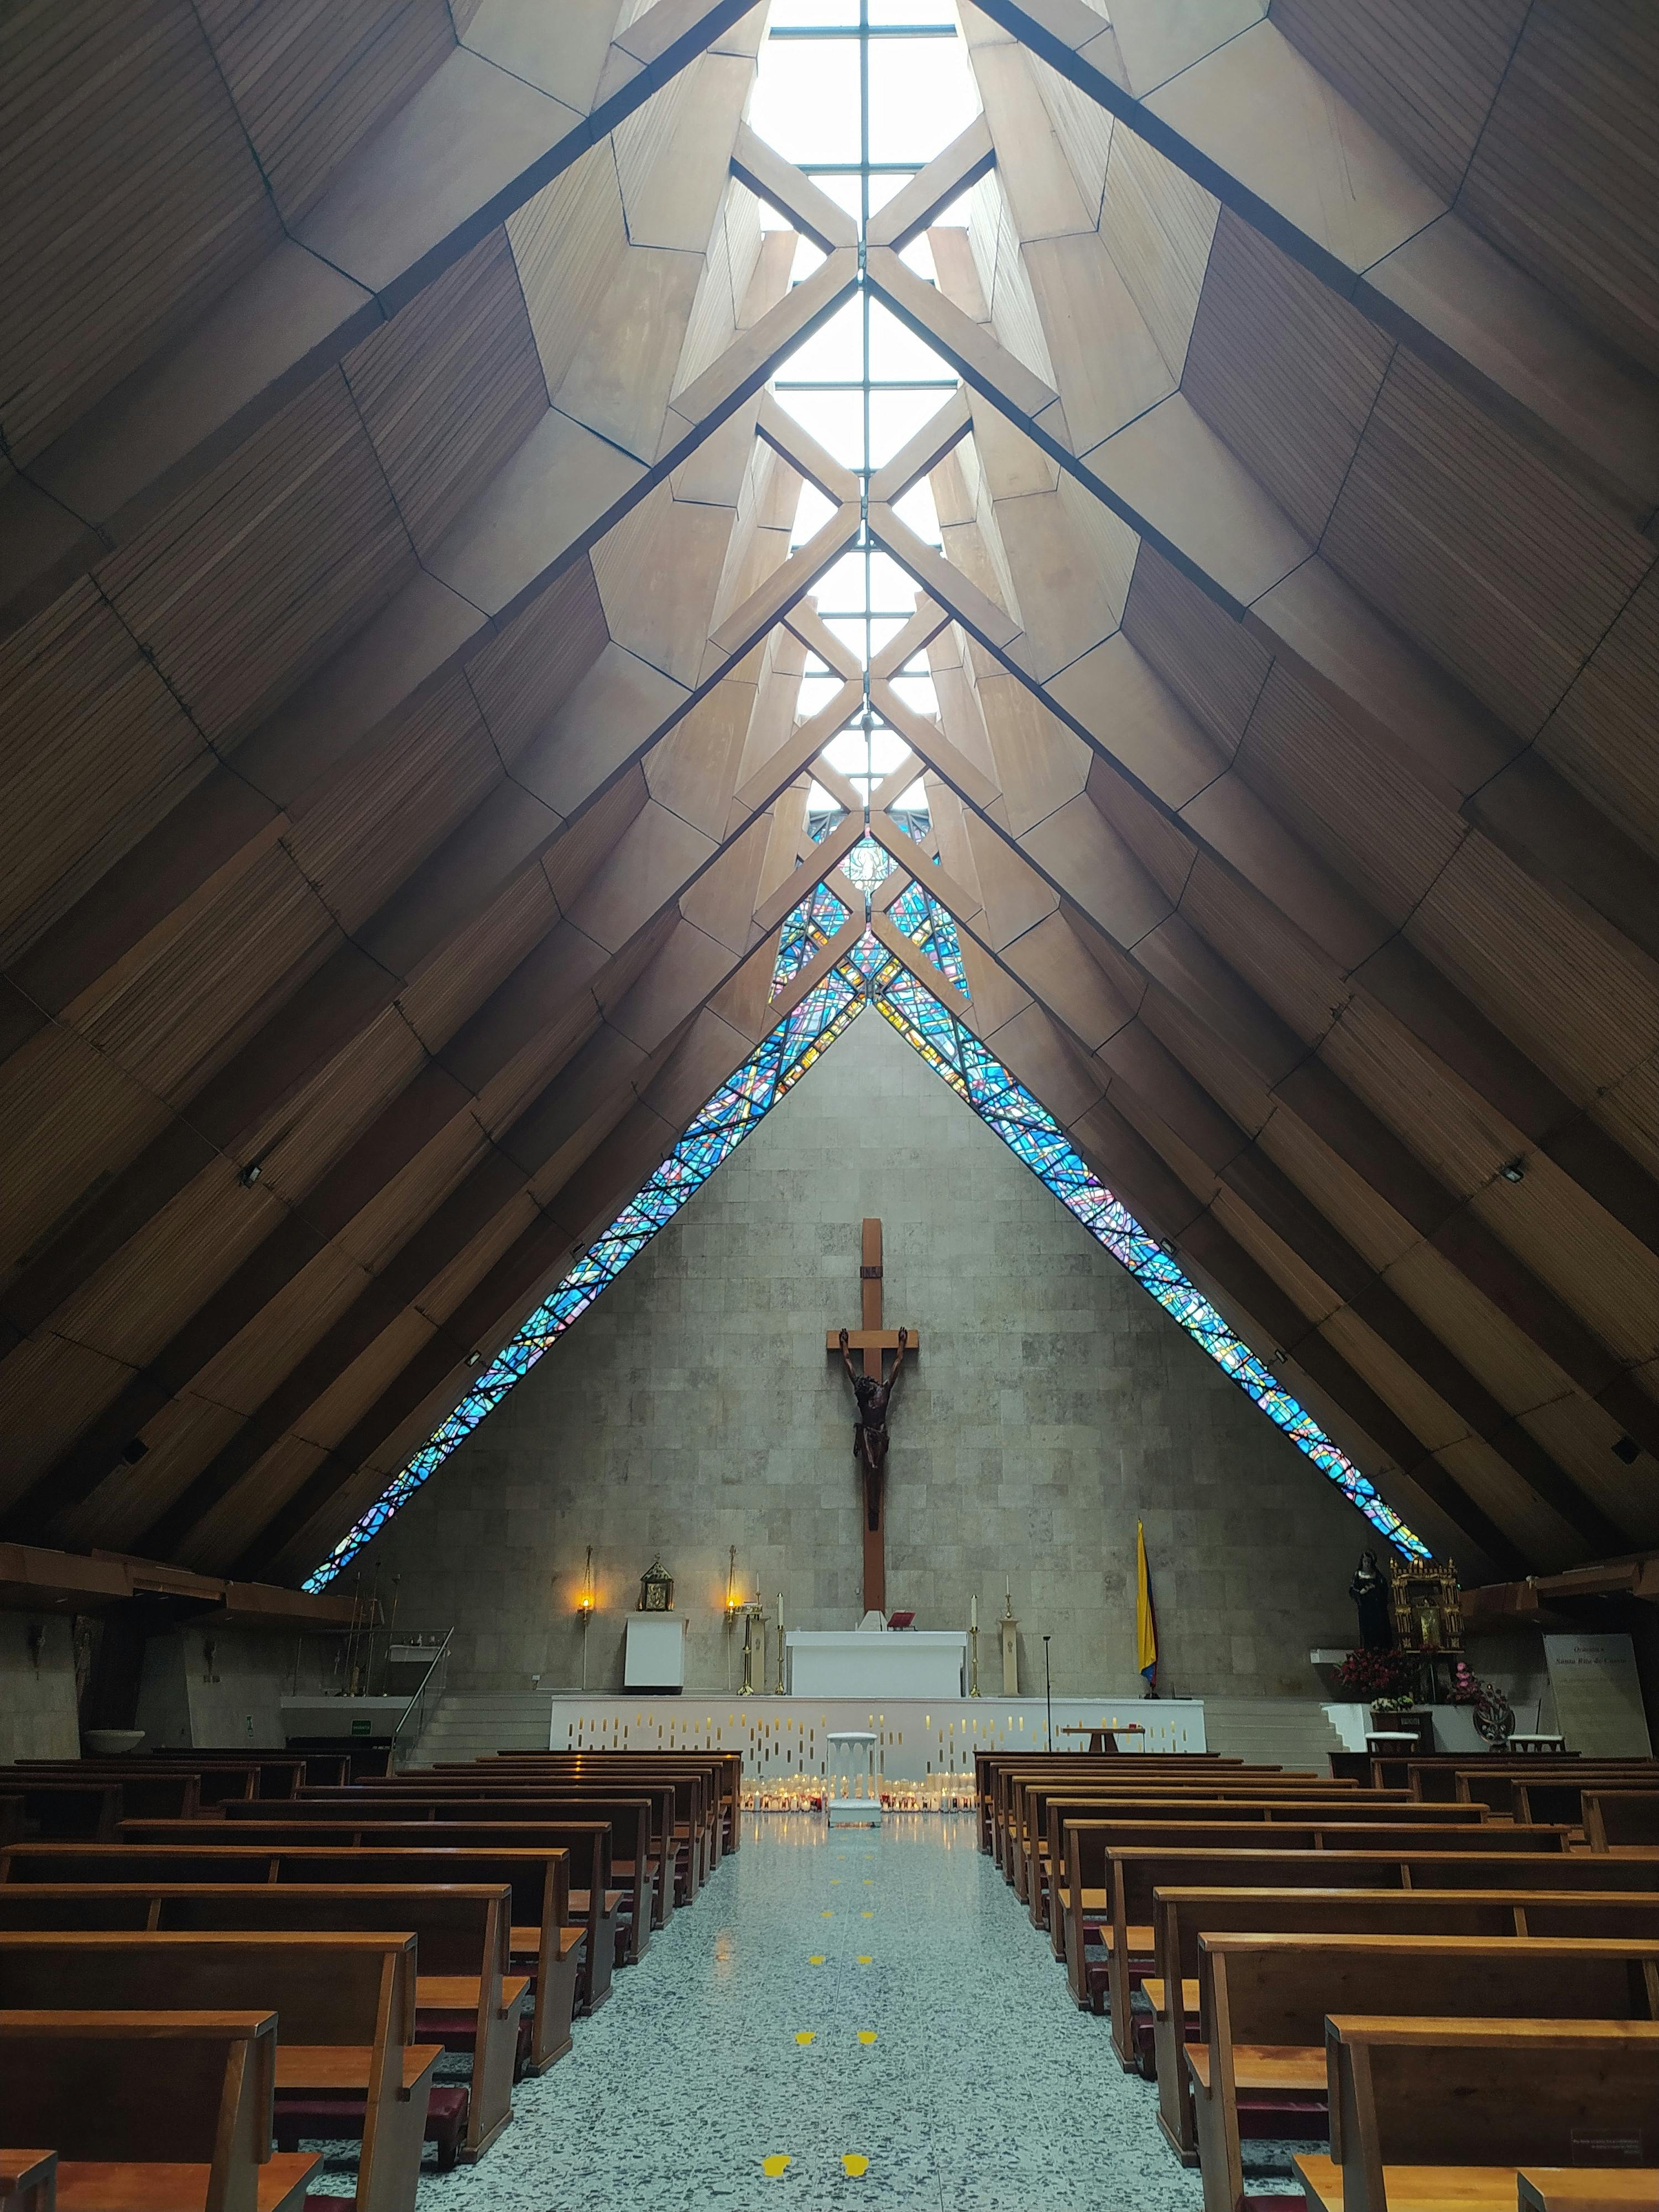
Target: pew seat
[
  {"x": 152, "y": 2111},
  {"x": 1588, "y": 2189}
]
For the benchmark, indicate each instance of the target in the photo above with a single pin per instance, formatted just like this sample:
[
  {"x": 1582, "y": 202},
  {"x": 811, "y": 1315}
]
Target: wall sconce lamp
[{"x": 584, "y": 1602}]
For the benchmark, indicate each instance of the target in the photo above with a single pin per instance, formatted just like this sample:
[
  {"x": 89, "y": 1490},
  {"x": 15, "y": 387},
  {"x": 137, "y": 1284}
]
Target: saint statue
[
  {"x": 1370, "y": 1592},
  {"x": 870, "y": 1429}
]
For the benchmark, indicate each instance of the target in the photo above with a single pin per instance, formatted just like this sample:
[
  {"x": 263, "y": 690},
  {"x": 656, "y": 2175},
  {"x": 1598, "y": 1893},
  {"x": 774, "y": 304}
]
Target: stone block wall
[{"x": 693, "y": 1408}]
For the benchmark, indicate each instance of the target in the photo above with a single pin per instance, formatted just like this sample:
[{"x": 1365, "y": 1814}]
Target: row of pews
[
  {"x": 1448, "y": 1968},
  {"x": 286, "y": 1950}
]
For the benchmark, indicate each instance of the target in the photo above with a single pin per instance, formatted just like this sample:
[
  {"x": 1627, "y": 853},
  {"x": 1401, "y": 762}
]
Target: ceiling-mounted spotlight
[
  {"x": 1627, "y": 1450},
  {"x": 250, "y": 1174},
  {"x": 1514, "y": 1171},
  {"x": 473, "y": 1358},
  {"x": 1166, "y": 1247}
]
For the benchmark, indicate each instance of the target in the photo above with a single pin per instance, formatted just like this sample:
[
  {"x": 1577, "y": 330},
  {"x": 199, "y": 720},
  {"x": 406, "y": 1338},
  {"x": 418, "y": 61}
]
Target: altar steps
[
  {"x": 1292, "y": 1732},
  {"x": 470, "y": 1725}
]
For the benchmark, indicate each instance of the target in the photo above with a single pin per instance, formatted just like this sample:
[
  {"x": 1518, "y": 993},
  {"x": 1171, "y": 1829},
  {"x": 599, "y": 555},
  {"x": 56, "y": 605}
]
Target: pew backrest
[{"x": 176, "y": 2088}]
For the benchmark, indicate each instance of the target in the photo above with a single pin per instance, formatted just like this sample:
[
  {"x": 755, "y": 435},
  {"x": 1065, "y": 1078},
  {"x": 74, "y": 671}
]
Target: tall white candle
[
  {"x": 780, "y": 1613},
  {"x": 973, "y": 1612}
]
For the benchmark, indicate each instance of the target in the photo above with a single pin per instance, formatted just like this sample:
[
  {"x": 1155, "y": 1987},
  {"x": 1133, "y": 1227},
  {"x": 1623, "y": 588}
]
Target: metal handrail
[{"x": 440, "y": 1667}]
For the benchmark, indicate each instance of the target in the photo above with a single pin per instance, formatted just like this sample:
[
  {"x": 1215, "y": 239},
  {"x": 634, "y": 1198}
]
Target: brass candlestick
[{"x": 973, "y": 1660}]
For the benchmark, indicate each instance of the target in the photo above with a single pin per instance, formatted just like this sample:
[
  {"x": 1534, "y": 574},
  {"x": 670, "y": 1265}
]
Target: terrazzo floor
[{"x": 829, "y": 2000}]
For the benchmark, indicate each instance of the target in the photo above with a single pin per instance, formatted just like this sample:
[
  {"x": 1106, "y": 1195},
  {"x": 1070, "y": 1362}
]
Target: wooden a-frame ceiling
[{"x": 402, "y": 789}]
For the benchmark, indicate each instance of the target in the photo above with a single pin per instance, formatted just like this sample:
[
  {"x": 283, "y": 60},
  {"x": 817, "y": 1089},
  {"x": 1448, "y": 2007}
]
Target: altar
[{"x": 887, "y": 1663}]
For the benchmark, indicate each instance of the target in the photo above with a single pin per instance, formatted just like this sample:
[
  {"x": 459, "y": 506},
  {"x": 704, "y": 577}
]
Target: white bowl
[{"x": 108, "y": 1743}]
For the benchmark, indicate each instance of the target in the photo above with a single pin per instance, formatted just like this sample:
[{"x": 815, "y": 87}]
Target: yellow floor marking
[
  {"x": 806, "y": 2035},
  {"x": 817, "y": 1959},
  {"x": 867, "y": 2035},
  {"x": 777, "y": 2164},
  {"x": 866, "y": 1916},
  {"x": 854, "y": 2162},
  {"x": 826, "y": 1914},
  {"x": 865, "y": 1960}
]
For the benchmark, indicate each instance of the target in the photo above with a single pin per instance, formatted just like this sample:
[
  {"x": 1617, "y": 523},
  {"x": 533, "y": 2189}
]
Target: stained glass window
[{"x": 871, "y": 975}]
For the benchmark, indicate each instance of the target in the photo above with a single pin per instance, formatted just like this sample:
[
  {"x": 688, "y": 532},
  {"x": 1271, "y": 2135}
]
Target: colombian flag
[{"x": 1145, "y": 1617}]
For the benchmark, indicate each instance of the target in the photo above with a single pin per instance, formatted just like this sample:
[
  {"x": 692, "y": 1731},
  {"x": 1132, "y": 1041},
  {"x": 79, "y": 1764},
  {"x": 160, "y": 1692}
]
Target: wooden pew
[
  {"x": 1099, "y": 1832},
  {"x": 1078, "y": 1769},
  {"x": 28, "y": 2180},
  {"x": 631, "y": 1861},
  {"x": 1428, "y": 2114},
  {"x": 1263, "y": 2001},
  {"x": 724, "y": 1769},
  {"x": 1451, "y": 1777},
  {"x": 695, "y": 1819},
  {"x": 461, "y": 1929},
  {"x": 536, "y": 1877},
  {"x": 151, "y": 2111},
  {"x": 1053, "y": 1808},
  {"x": 1166, "y": 2002},
  {"x": 547, "y": 1941},
  {"x": 1133, "y": 1873},
  {"x": 411, "y": 1796},
  {"x": 1083, "y": 1900},
  {"x": 344, "y": 2004},
  {"x": 1022, "y": 1826},
  {"x": 1621, "y": 1819},
  {"x": 994, "y": 1772}
]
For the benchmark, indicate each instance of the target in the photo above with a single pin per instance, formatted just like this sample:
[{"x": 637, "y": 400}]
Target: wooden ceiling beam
[
  {"x": 427, "y": 633},
  {"x": 476, "y": 142},
  {"x": 332, "y": 1007},
  {"x": 1248, "y": 120}
]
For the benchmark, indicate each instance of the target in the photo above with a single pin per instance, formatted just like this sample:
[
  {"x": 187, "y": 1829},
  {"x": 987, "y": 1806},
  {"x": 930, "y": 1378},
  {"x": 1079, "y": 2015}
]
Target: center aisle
[{"x": 879, "y": 1998}]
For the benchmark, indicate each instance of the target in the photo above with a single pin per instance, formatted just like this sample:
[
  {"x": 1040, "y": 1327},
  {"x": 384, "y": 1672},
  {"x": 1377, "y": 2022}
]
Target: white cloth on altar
[{"x": 864, "y": 1662}]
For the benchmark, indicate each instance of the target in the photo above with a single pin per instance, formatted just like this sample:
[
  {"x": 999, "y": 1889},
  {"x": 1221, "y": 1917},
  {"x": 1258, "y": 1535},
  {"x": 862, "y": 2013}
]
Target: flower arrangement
[
  {"x": 1463, "y": 1689},
  {"x": 1382, "y": 1679}
]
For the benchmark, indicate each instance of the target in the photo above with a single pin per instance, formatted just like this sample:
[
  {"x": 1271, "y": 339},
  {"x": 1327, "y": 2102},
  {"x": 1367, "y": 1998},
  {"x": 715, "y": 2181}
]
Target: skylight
[{"x": 862, "y": 95}]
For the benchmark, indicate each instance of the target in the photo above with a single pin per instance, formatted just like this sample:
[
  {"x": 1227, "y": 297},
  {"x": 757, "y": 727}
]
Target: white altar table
[{"x": 877, "y": 1663}]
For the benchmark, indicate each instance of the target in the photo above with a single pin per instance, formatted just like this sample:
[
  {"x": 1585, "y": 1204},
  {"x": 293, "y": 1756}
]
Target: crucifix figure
[{"x": 873, "y": 1389}]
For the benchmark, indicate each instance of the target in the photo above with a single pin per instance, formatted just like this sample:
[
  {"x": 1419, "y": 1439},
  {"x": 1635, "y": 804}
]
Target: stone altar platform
[{"x": 877, "y": 1663}]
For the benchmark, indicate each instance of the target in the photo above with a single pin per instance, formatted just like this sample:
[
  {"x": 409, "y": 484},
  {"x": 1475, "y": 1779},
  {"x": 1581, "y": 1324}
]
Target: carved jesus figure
[{"x": 870, "y": 1429}]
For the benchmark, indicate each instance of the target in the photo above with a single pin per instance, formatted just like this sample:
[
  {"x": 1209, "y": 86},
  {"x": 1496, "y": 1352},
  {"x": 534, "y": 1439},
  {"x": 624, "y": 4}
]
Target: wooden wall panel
[
  {"x": 1580, "y": 1003},
  {"x": 1602, "y": 735},
  {"x": 1450, "y": 1130},
  {"x": 1507, "y": 572},
  {"x": 1630, "y": 1110},
  {"x": 186, "y": 1435},
  {"x": 57, "y": 1162},
  {"x": 1566, "y": 179},
  {"x": 247, "y": 582},
  {"x": 173, "y": 1021},
  {"x": 1378, "y": 830},
  {"x": 135, "y": 1303},
  {"x": 131, "y": 199},
  {"x": 55, "y": 1387},
  {"x": 521, "y": 678},
  {"x": 566, "y": 244},
  {"x": 308, "y": 1132},
  {"x": 1290, "y": 975},
  {"x": 450, "y": 387},
  {"x": 96, "y": 750},
  {"x": 396, "y": 802},
  {"x": 1212, "y": 664},
  {"x": 312, "y": 79},
  {"x": 1283, "y": 370},
  {"x": 1603, "y": 1273},
  {"x": 1580, "y": 1438},
  {"x": 478, "y": 958},
  {"x": 1422, "y": 73},
  {"x": 1158, "y": 225}
]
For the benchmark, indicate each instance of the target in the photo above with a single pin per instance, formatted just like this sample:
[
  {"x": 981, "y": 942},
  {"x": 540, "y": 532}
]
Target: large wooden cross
[{"x": 871, "y": 1343}]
